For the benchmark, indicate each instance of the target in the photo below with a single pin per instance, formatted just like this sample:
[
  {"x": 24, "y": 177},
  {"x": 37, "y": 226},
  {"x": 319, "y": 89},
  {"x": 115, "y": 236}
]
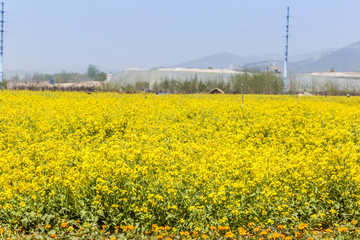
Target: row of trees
[
  {"x": 92, "y": 73},
  {"x": 256, "y": 82},
  {"x": 95, "y": 74}
]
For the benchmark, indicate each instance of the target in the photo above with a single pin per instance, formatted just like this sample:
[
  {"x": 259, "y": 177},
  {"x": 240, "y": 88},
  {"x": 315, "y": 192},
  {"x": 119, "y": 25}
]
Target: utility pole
[
  {"x": 2, "y": 43},
  {"x": 286, "y": 50}
]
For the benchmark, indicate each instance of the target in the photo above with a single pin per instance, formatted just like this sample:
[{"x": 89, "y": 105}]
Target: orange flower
[
  {"x": 342, "y": 229},
  {"x": 47, "y": 226},
  {"x": 251, "y": 224},
  {"x": 128, "y": 228},
  {"x": 242, "y": 231},
  {"x": 302, "y": 226},
  {"x": 64, "y": 225},
  {"x": 229, "y": 235},
  {"x": 184, "y": 233},
  {"x": 275, "y": 235}
]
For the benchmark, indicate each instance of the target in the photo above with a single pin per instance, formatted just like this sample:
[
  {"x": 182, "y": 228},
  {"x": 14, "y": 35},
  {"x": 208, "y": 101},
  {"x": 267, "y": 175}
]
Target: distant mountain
[
  {"x": 346, "y": 59},
  {"x": 306, "y": 56},
  {"x": 220, "y": 60},
  {"x": 229, "y": 60},
  {"x": 263, "y": 65},
  {"x": 279, "y": 62}
]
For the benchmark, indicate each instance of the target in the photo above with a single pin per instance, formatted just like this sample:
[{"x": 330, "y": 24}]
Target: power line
[
  {"x": 2, "y": 42},
  {"x": 286, "y": 49}
]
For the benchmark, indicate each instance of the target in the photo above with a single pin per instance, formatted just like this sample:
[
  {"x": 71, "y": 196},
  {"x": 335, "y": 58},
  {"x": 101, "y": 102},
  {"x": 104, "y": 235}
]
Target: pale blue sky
[{"x": 54, "y": 35}]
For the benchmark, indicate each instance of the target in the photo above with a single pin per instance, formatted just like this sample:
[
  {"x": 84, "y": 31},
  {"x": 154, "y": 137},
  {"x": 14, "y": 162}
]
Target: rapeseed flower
[{"x": 178, "y": 161}]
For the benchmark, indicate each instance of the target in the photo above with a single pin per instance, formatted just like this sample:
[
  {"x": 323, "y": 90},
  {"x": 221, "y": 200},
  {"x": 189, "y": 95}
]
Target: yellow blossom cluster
[{"x": 185, "y": 161}]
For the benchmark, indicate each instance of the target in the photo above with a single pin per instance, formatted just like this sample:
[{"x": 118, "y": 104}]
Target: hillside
[
  {"x": 220, "y": 61},
  {"x": 346, "y": 59}
]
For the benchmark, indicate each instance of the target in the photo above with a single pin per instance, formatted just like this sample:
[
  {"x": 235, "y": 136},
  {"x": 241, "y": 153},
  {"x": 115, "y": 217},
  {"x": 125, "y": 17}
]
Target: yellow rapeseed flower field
[{"x": 184, "y": 162}]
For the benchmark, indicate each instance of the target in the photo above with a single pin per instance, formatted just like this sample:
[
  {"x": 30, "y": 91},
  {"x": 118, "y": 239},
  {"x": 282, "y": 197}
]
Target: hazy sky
[{"x": 48, "y": 36}]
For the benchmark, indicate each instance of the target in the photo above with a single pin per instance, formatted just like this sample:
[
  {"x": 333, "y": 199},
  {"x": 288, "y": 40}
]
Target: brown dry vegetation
[{"x": 89, "y": 86}]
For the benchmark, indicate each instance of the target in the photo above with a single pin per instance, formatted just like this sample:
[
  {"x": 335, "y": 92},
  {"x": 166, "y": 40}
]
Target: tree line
[
  {"x": 255, "y": 82},
  {"x": 92, "y": 74}
]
